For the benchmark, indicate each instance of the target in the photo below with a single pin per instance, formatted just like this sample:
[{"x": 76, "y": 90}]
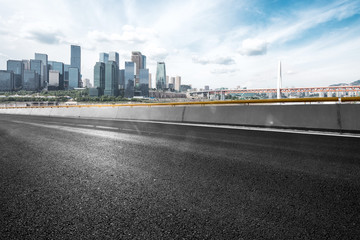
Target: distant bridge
[{"x": 351, "y": 90}]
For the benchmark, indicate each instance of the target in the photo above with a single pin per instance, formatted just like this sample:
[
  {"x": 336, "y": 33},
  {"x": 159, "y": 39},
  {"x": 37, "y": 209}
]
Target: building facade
[
  {"x": 6, "y": 80},
  {"x": 75, "y": 59},
  {"x": 129, "y": 75},
  {"x": 18, "y": 69},
  {"x": 144, "y": 82},
  {"x": 160, "y": 76},
  {"x": 31, "y": 80},
  {"x": 178, "y": 83},
  {"x": 54, "y": 80},
  {"x": 44, "y": 70},
  {"x": 111, "y": 79},
  {"x": 58, "y": 66},
  {"x": 103, "y": 57},
  {"x": 74, "y": 78}
]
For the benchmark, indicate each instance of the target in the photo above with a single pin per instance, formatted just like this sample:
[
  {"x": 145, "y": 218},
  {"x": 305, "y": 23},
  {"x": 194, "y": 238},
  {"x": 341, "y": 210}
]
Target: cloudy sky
[{"x": 221, "y": 43}]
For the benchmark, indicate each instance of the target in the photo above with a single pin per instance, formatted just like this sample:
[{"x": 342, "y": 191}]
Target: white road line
[{"x": 106, "y": 127}]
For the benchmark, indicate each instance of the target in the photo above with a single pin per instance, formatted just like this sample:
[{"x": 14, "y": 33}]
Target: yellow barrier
[{"x": 285, "y": 100}]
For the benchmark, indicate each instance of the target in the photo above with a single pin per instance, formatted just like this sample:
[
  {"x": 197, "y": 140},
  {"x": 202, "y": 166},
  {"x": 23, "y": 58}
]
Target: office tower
[
  {"x": 37, "y": 65},
  {"x": 143, "y": 62},
  {"x": 26, "y": 64},
  {"x": 44, "y": 70},
  {"x": 31, "y": 80},
  {"x": 6, "y": 80},
  {"x": 54, "y": 80},
  {"x": 66, "y": 76},
  {"x": 74, "y": 77},
  {"x": 160, "y": 76},
  {"x": 129, "y": 79},
  {"x": 75, "y": 59},
  {"x": 177, "y": 83},
  {"x": 111, "y": 78},
  {"x": 99, "y": 80},
  {"x": 207, "y": 88},
  {"x": 114, "y": 56},
  {"x": 18, "y": 68},
  {"x": 121, "y": 82},
  {"x": 104, "y": 57},
  {"x": 144, "y": 82},
  {"x": 172, "y": 81},
  {"x": 58, "y": 66},
  {"x": 167, "y": 82},
  {"x": 137, "y": 58}
]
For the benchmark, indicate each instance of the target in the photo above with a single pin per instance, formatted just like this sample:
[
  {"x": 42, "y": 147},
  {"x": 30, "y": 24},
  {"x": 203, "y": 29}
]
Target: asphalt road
[{"x": 94, "y": 179}]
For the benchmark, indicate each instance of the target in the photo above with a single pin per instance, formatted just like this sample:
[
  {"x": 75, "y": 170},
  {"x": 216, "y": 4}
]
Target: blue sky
[{"x": 218, "y": 43}]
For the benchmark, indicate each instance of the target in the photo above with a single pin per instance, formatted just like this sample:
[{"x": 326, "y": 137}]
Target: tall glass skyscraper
[
  {"x": 111, "y": 78},
  {"x": 75, "y": 59},
  {"x": 6, "y": 80},
  {"x": 129, "y": 79},
  {"x": 58, "y": 66},
  {"x": 74, "y": 77},
  {"x": 44, "y": 70},
  {"x": 37, "y": 65},
  {"x": 18, "y": 68},
  {"x": 31, "y": 80},
  {"x": 160, "y": 76},
  {"x": 99, "y": 77},
  {"x": 103, "y": 57},
  {"x": 114, "y": 56},
  {"x": 144, "y": 82}
]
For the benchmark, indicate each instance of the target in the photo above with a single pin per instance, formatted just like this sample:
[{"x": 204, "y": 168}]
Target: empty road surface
[{"x": 64, "y": 178}]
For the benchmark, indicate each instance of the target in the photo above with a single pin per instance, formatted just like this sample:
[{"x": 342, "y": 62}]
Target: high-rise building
[
  {"x": 99, "y": 77},
  {"x": 121, "y": 82},
  {"x": 18, "y": 68},
  {"x": 104, "y": 57},
  {"x": 74, "y": 77},
  {"x": 58, "y": 66},
  {"x": 206, "y": 87},
  {"x": 54, "y": 79},
  {"x": 143, "y": 61},
  {"x": 167, "y": 81},
  {"x": 172, "y": 81},
  {"x": 144, "y": 82},
  {"x": 37, "y": 65},
  {"x": 6, "y": 80},
  {"x": 26, "y": 64},
  {"x": 129, "y": 79},
  {"x": 75, "y": 59},
  {"x": 111, "y": 78},
  {"x": 44, "y": 70},
  {"x": 31, "y": 80},
  {"x": 160, "y": 76},
  {"x": 137, "y": 58},
  {"x": 177, "y": 83},
  {"x": 66, "y": 75},
  {"x": 114, "y": 56}
]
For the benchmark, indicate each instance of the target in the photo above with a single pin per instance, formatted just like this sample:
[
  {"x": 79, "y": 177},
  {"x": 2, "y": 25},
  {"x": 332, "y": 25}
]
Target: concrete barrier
[
  {"x": 334, "y": 117},
  {"x": 285, "y": 116}
]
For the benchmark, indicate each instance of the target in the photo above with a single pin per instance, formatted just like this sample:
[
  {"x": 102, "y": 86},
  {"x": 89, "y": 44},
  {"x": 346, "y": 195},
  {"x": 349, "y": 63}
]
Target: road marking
[{"x": 106, "y": 127}]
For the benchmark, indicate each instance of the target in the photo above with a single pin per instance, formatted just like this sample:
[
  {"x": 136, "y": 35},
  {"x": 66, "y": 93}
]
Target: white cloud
[
  {"x": 253, "y": 47},
  {"x": 215, "y": 60}
]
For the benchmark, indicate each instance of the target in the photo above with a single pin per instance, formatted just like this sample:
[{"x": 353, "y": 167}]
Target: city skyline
[{"x": 220, "y": 44}]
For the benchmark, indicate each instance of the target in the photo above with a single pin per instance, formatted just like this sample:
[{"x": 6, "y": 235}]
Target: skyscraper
[
  {"x": 66, "y": 75},
  {"x": 144, "y": 82},
  {"x": 129, "y": 79},
  {"x": 104, "y": 57},
  {"x": 37, "y": 65},
  {"x": 160, "y": 76},
  {"x": 114, "y": 56},
  {"x": 58, "y": 66},
  {"x": 143, "y": 61},
  {"x": 18, "y": 68},
  {"x": 44, "y": 69},
  {"x": 99, "y": 78},
  {"x": 6, "y": 80},
  {"x": 178, "y": 83},
  {"x": 54, "y": 79},
  {"x": 111, "y": 78},
  {"x": 31, "y": 80},
  {"x": 137, "y": 58},
  {"x": 74, "y": 77},
  {"x": 75, "y": 59}
]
